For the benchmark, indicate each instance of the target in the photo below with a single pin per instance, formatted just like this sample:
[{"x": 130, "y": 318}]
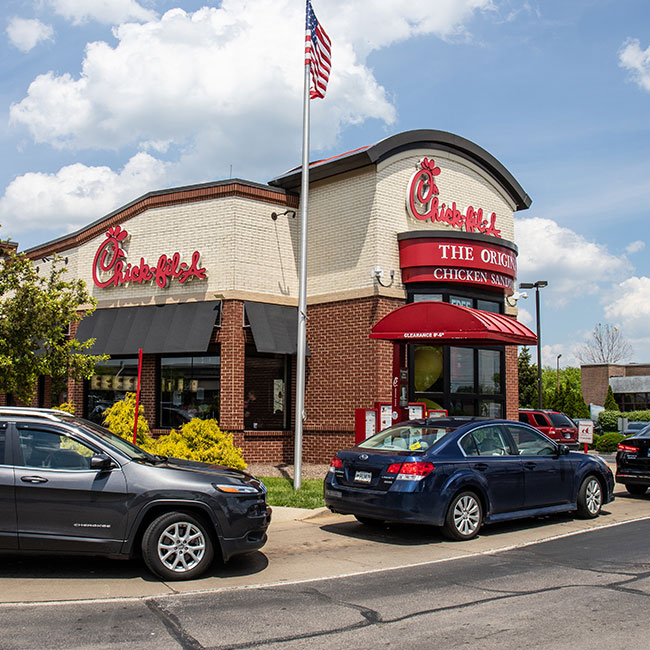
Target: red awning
[{"x": 442, "y": 321}]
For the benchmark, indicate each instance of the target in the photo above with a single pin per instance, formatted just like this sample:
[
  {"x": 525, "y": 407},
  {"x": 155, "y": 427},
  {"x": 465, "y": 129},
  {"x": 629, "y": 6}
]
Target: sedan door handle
[
  {"x": 530, "y": 465},
  {"x": 33, "y": 479},
  {"x": 481, "y": 467}
]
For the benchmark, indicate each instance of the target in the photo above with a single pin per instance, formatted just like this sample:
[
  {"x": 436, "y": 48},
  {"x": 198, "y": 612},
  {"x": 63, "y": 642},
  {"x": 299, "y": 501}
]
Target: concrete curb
[{"x": 284, "y": 513}]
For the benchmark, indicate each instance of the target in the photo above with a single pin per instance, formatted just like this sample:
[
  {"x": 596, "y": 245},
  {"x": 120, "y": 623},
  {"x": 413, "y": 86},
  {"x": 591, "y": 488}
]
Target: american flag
[{"x": 318, "y": 54}]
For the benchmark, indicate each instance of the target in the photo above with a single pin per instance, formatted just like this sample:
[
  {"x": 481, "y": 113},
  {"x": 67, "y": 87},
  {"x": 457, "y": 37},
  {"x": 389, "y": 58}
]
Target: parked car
[
  {"x": 69, "y": 485},
  {"x": 459, "y": 473},
  {"x": 633, "y": 463},
  {"x": 554, "y": 424},
  {"x": 633, "y": 428}
]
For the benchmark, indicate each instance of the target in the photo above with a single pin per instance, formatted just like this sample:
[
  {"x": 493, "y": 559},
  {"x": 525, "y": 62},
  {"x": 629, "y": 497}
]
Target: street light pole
[
  {"x": 537, "y": 286},
  {"x": 557, "y": 371}
]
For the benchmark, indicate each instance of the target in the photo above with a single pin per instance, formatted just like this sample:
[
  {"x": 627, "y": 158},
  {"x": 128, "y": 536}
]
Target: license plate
[{"x": 362, "y": 477}]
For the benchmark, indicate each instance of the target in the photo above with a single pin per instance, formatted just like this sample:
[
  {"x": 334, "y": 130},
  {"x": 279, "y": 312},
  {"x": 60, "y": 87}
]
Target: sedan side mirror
[
  {"x": 563, "y": 450},
  {"x": 100, "y": 461}
]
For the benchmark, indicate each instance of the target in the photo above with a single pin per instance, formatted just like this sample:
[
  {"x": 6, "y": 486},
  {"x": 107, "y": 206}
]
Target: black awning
[
  {"x": 181, "y": 327},
  {"x": 274, "y": 327}
]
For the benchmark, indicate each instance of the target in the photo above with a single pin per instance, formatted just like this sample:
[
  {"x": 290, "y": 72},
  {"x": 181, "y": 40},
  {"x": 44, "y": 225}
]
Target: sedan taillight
[
  {"x": 336, "y": 463},
  {"x": 623, "y": 447},
  {"x": 410, "y": 471}
]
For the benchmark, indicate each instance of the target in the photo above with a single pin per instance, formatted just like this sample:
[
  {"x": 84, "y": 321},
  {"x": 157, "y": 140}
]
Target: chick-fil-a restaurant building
[{"x": 411, "y": 267}]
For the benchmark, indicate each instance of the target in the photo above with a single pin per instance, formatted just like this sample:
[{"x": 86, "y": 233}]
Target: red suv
[{"x": 554, "y": 424}]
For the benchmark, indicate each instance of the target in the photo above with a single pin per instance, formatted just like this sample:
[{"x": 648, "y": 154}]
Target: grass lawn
[{"x": 281, "y": 492}]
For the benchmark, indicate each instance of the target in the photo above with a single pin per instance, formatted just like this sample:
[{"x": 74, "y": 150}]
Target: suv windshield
[
  {"x": 560, "y": 420},
  {"x": 122, "y": 445},
  {"x": 406, "y": 437}
]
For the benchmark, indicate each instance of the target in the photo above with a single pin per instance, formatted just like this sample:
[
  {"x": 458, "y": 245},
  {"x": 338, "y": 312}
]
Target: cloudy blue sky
[{"x": 104, "y": 100}]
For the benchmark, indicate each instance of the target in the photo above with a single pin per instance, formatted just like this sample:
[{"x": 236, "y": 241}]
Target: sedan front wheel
[
  {"x": 590, "y": 498},
  {"x": 464, "y": 517}
]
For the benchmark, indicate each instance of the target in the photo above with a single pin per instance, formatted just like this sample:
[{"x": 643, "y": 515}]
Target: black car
[
  {"x": 459, "y": 473},
  {"x": 633, "y": 462},
  {"x": 69, "y": 485}
]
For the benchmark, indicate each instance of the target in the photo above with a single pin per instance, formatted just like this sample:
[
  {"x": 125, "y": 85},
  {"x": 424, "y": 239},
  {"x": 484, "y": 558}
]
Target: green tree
[
  {"x": 527, "y": 380},
  {"x": 610, "y": 402},
  {"x": 35, "y": 314}
]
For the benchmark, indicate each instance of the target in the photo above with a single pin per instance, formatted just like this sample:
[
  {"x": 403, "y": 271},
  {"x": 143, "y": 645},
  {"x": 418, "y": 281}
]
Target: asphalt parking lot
[{"x": 303, "y": 545}]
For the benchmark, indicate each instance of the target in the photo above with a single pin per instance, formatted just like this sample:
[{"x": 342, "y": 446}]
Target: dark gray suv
[{"x": 68, "y": 485}]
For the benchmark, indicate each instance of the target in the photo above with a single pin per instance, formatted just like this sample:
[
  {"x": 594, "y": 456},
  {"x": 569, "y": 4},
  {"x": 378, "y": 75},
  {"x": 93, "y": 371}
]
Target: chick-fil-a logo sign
[
  {"x": 423, "y": 204},
  {"x": 110, "y": 268}
]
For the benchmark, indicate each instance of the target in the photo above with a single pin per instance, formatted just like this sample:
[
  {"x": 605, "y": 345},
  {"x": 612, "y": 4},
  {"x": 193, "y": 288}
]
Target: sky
[{"x": 102, "y": 101}]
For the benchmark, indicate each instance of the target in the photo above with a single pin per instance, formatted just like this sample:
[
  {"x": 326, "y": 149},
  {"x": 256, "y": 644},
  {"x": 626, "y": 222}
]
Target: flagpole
[{"x": 302, "y": 291}]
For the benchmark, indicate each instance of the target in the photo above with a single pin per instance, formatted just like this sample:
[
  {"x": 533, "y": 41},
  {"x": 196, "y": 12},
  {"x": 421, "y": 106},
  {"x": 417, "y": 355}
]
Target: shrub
[
  {"x": 608, "y": 420},
  {"x": 594, "y": 444},
  {"x": 637, "y": 416},
  {"x": 609, "y": 442},
  {"x": 119, "y": 419},
  {"x": 66, "y": 406},
  {"x": 201, "y": 440}
]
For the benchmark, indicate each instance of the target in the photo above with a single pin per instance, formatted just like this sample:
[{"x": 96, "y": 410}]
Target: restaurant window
[
  {"x": 483, "y": 301},
  {"x": 489, "y": 371},
  {"x": 462, "y": 380},
  {"x": 110, "y": 383},
  {"x": 461, "y": 376},
  {"x": 189, "y": 388},
  {"x": 266, "y": 388}
]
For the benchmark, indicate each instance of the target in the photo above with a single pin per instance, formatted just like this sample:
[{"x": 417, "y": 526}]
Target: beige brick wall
[
  {"x": 354, "y": 218},
  {"x": 242, "y": 249}
]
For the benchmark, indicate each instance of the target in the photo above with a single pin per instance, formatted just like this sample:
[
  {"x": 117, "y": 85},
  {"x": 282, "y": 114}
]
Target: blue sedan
[{"x": 459, "y": 473}]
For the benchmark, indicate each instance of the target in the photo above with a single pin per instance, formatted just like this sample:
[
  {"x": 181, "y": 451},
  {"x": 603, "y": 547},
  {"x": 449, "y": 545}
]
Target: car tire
[
  {"x": 590, "y": 497},
  {"x": 464, "y": 517},
  {"x": 177, "y": 546},
  {"x": 636, "y": 490},
  {"x": 369, "y": 521}
]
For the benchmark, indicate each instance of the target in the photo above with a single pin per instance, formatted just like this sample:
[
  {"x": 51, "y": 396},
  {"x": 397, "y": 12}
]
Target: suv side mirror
[
  {"x": 563, "y": 450},
  {"x": 100, "y": 461}
]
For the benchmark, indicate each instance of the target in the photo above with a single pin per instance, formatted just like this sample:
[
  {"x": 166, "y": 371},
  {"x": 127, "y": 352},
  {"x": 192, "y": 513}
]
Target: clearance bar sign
[{"x": 442, "y": 259}]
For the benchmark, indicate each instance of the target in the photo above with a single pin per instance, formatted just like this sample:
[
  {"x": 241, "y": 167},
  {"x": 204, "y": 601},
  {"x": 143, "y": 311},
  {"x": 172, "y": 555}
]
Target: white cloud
[
  {"x": 76, "y": 195},
  {"x": 186, "y": 76},
  {"x": 635, "y": 247},
  {"x": 567, "y": 352},
  {"x": 217, "y": 88},
  {"x": 26, "y": 34},
  {"x": 636, "y": 61},
  {"x": 524, "y": 316},
  {"x": 630, "y": 307},
  {"x": 111, "y": 12},
  {"x": 572, "y": 265}
]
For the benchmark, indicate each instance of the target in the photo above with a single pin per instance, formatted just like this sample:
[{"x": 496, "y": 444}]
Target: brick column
[
  {"x": 149, "y": 389},
  {"x": 232, "y": 339},
  {"x": 512, "y": 383}
]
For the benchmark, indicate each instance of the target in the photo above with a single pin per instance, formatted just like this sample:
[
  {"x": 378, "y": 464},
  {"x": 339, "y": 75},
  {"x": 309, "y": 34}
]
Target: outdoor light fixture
[
  {"x": 378, "y": 273},
  {"x": 275, "y": 215},
  {"x": 557, "y": 371},
  {"x": 517, "y": 295},
  {"x": 540, "y": 284}
]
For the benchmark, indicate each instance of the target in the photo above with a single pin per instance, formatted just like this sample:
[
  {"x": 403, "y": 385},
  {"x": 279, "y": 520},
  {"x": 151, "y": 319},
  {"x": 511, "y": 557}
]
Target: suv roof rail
[{"x": 46, "y": 414}]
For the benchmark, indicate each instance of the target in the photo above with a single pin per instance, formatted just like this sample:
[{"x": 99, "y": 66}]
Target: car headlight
[{"x": 232, "y": 488}]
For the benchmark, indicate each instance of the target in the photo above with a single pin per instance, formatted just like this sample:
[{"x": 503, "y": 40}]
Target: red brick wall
[
  {"x": 594, "y": 380},
  {"x": 512, "y": 383},
  {"x": 346, "y": 370},
  {"x": 232, "y": 338}
]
